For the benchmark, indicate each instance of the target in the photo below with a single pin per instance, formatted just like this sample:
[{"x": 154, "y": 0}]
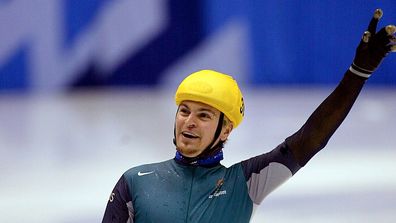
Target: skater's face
[{"x": 196, "y": 124}]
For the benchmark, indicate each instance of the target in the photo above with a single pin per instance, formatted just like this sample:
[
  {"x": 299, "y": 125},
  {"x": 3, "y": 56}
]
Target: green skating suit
[{"x": 173, "y": 192}]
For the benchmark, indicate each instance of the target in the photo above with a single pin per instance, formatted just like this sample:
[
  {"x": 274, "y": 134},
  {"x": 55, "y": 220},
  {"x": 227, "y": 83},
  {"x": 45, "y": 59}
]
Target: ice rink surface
[{"x": 61, "y": 155}]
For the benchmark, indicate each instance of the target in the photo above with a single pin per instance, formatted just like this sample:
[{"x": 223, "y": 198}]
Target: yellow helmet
[{"x": 218, "y": 90}]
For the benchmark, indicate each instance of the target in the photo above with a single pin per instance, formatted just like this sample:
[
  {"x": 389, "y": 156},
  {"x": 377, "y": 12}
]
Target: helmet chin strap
[{"x": 211, "y": 155}]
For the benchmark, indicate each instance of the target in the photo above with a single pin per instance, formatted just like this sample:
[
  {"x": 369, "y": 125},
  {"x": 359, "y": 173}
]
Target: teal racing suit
[{"x": 174, "y": 192}]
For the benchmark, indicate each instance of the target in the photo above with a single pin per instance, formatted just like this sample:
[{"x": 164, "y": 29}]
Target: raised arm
[{"x": 324, "y": 121}]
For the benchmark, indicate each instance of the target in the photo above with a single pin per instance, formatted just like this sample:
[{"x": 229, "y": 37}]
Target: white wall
[{"x": 61, "y": 155}]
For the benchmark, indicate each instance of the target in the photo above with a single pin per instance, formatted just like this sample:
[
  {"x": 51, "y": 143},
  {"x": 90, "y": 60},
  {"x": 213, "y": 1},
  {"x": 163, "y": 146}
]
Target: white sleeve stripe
[{"x": 359, "y": 73}]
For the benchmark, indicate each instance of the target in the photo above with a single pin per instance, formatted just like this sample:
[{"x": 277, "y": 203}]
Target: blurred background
[{"x": 86, "y": 92}]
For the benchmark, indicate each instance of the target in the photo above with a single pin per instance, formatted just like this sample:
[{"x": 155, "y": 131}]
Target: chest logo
[
  {"x": 217, "y": 191},
  {"x": 144, "y": 173}
]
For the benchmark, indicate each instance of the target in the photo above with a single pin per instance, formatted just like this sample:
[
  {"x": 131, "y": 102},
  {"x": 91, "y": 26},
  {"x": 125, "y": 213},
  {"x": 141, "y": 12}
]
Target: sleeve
[
  {"x": 119, "y": 208},
  {"x": 264, "y": 173},
  {"x": 324, "y": 121}
]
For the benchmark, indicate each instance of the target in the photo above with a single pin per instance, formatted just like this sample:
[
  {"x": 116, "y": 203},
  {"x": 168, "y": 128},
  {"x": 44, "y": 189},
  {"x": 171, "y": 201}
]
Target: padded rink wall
[{"x": 66, "y": 44}]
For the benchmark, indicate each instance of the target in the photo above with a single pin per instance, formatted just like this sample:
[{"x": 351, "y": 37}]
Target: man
[{"x": 194, "y": 186}]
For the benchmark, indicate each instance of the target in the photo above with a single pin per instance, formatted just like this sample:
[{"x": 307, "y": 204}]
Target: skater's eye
[
  {"x": 184, "y": 111},
  {"x": 205, "y": 115}
]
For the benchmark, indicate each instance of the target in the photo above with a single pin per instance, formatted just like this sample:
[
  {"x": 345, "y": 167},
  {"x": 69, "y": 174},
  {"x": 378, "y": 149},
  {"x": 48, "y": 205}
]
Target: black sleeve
[
  {"x": 324, "y": 121},
  {"x": 119, "y": 207}
]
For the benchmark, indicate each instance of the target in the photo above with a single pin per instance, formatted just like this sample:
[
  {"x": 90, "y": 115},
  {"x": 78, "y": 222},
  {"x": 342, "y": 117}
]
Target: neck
[{"x": 204, "y": 161}]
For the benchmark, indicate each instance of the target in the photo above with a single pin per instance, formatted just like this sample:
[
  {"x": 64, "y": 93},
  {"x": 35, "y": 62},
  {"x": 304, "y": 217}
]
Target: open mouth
[{"x": 189, "y": 135}]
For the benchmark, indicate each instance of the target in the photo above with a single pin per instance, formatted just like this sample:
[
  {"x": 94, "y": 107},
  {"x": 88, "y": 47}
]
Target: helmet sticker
[{"x": 242, "y": 108}]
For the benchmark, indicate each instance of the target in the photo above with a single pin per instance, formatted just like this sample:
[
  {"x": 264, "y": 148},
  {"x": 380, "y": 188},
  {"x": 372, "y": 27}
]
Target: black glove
[{"x": 373, "y": 47}]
